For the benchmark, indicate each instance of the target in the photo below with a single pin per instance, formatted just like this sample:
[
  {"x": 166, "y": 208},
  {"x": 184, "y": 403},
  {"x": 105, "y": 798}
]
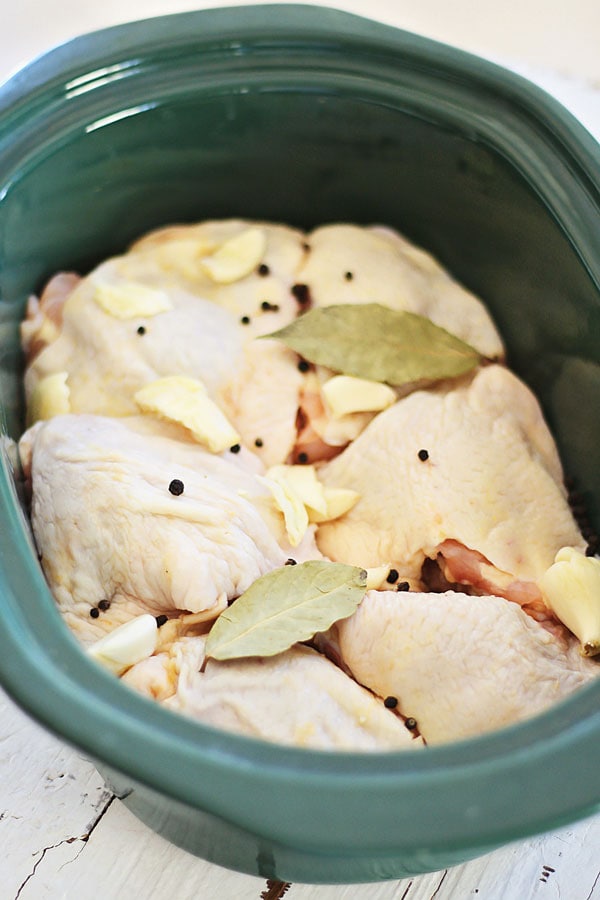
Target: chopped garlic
[
  {"x": 185, "y": 401},
  {"x": 345, "y": 394},
  {"x": 338, "y": 501},
  {"x": 377, "y": 577},
  {"x": 237, "y": 257},
  {"x": 50, "y": 397},
  {"x": 126, "y": 645},
  {"x": 130, "y": 300},
  {"x": 292, "y": 507},
  {"x": 571, "y": 588}
]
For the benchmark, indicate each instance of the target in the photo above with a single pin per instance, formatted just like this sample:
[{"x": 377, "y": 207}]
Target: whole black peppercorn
[
  {"x": 349, "y": 276},
  {"x": 104, "y": 605},
  {"x": 390, "y": 702},
  {"x": 393, "y": 576},
  {"x": 423, "y": 455},
  {"x": 303, "y": 458},
  {"x": 245, "y": 320},
  {"x": 403, "y": 586},
  {"x": 94, "y": 612},
  {"x": 176, "y": 487},
  {"x": 263, "y": 270},
  {"x": 304, "y": 366},
  {"x": 141, "y": 330},
  {"x": 258, "y": 442},
  {"x": 269, "y": 307},
  {"x": 161, "y": 620},
  {"x": 235, "y": 448},
  {"x": 411, "y": 723},
  {"x": 291, "y": 562}
]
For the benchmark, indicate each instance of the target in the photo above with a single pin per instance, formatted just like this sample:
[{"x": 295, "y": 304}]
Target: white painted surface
[
  {"x": 63, "y": 836},
  {"x": 546, "y": 33}
]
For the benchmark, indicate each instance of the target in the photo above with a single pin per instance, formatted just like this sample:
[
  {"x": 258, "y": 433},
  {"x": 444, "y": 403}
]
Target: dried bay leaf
[
  {"x": 288, "y": 605},
  {"x": 372, "y": 341}
]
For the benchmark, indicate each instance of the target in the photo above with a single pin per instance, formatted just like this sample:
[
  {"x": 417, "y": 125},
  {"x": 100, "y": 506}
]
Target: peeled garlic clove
[
  {"x": 185, "y": 401},
  {"x": 290, "y": 504},
  {"x": 346, "y": 394},
  {"x": 237, "y": 257},
  {"x": 50, "y": 397},
  {"x": 183, "y": 256},
  {"x": 303, "y": 481},
  {"x": 130, "y": 300},
  {"x": 571, "y": 588},
  {"x": 338, "y": 502},
  {"x": 126, "y": 645},
  {"x": 377, "y": 577}
]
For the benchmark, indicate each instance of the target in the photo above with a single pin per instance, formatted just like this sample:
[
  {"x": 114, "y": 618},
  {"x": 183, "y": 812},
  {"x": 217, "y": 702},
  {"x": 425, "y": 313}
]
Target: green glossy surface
[{"x": 305, "y": 115}]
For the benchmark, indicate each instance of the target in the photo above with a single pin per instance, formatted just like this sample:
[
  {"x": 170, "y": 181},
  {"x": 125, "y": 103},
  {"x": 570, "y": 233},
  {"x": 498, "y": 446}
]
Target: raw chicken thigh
[
  {"x": 298, "y": 697},
  {"x": 468, "y": 471},
  {"x": 108, "y": 526},
  {"x": 459, "y": 665},
  {"x": 349, "y": 264}
]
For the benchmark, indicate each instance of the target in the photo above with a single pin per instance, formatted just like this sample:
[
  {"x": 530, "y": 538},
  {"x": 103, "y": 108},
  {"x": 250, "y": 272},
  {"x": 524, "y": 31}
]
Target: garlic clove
[
  {"x": 290, "y": 504},
  {"x": 126, "y": 645},
  {"x": 304, "y": 482},
  {"x": 185, "y": 401},
  {"x": 237, "y": 257},
  {"x": 346, "y": 394},
  {"x": 571, "y": 589},
  {"x": 130, "y": 300},
  {"x": 338, "y": 502},
  {"x": 377, "y": 577}
]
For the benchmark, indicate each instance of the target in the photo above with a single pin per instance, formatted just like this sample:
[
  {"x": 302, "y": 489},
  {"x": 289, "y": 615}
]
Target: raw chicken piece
[
  {"x": 263, "y": 400},
  {"x": 459, "y": 665},
  {"x": 207, "y": 333},
  {"x": 44, "y": 316},
  {"x": 298, "y": 697},
  {"x": 386, "y": 268},
  {"x": 108, "y": 528},
  {"x": 488, "y": 494}
]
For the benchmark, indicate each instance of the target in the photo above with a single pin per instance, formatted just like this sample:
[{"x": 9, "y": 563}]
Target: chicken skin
[
  {"x": 467, "y": 471},
  {"x": 133, "y": 512},
  {"x": 298, "y": 697},
  {"x": 459, "y": 665}
]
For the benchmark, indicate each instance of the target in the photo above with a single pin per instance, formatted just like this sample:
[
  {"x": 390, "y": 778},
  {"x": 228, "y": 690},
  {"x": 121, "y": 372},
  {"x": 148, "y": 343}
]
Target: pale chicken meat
[
  {"x": 468, "y": 471},
  {"x": 298, "y": 697},
  {"x": 207, "y": 330},
  {"x": 350, "y": 264},
  {"x": 211, "y": 330},
  {"x": 108, "y": 526},
  {"x": 460, "y": 665}
]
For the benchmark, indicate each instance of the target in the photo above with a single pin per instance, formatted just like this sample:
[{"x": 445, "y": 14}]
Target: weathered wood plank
[{"x": 53, "y": 799}]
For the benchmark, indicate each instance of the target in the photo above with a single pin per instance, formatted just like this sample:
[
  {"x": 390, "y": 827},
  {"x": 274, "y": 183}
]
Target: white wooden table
[{"x": 63, "y": 836}]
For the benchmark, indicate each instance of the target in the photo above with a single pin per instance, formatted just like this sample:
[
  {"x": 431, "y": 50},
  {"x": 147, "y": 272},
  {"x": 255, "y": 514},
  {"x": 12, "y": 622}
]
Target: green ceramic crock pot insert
[{"x": 305, "y": 115}]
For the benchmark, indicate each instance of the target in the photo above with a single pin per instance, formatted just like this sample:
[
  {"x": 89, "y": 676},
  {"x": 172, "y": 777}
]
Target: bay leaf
[
  {"x": 285, "y": 606},
  {"x": 372, "y": 341}
]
